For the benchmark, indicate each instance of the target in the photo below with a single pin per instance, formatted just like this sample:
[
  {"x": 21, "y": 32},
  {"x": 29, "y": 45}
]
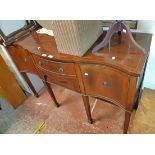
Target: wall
[
  {"x": 145, "y": 26},
  {"x": 148, "y": 26}
]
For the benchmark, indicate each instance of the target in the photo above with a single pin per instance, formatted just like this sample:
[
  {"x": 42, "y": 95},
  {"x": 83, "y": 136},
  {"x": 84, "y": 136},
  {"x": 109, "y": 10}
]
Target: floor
[
  {"x": 144, "y": 120},
  {"x": 70, "y": 117}
]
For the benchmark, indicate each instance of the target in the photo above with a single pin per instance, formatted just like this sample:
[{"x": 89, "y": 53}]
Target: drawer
[
  {"x": 67, "y": 82},
  {"x": 106, "y": 82},
  {"x": 22, "y": 59},
  {"x": 55, "y": 67}
]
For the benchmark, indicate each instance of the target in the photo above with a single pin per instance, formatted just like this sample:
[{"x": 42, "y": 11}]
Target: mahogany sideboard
[{"x": 116, "y": 77}]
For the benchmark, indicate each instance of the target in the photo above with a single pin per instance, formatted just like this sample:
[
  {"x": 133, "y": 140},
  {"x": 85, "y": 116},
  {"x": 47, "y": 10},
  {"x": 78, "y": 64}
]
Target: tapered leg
[
  {"x": 87, "y": 108},
  {"x": 126, "y": 122},
  {"x": 30, "y": 84},
  {"x": 49, "y": 89}
]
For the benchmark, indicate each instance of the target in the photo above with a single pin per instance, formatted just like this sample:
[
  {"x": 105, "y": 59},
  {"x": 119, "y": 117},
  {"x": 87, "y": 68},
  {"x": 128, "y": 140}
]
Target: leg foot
[
  {"x": 87, "y": 108},
  {"x": 126, "y": 122},
  {"x": 90, "y": 121}
]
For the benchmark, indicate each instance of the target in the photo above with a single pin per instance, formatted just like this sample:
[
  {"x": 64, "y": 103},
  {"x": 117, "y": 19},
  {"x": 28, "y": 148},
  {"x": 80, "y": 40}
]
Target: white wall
[
  {"x": 145, "y": 26},
  {"x": 149, "y": 79},
  {"x": 148, "y": 26}
]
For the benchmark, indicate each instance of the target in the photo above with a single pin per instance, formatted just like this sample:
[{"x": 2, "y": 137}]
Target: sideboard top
[{"x": 119, "y": 56}]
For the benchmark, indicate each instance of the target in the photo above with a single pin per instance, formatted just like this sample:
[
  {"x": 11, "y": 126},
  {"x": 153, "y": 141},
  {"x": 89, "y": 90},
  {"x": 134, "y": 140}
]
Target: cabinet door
[
  {"x": 106, "y": 82},
  {"x": 22, "y": 59}
]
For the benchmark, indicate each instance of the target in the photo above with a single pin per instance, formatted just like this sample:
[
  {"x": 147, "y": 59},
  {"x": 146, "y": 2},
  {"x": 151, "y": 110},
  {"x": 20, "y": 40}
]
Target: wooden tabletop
[{"x": 126, "y": 59}]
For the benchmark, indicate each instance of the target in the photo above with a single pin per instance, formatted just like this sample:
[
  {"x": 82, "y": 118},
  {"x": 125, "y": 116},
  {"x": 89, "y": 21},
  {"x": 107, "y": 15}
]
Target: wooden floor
[{"x": 144, "y": 120}]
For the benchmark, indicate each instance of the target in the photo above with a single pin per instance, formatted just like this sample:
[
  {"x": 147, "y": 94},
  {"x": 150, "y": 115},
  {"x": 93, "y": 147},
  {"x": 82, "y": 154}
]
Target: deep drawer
[
  {"x": 65, "y": 81},
  {"x": 105, "y": 82}
]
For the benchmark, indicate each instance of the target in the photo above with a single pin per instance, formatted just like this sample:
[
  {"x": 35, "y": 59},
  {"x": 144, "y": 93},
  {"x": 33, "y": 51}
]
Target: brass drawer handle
[
  {"x": 105, "y": 83},
  {"x": 60, "y": 70}
]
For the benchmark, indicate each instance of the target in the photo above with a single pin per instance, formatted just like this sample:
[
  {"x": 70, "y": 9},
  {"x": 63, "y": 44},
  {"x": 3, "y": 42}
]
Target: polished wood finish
[
  {"x": 127, "y": 121},
  {"x": 22, "y": 59},
  {"x": 55, "y": 67},
  {"x": 130, "y": 62},
  {"x": 116, "y": 81},
  {"x": 87, "y": 108},
  {"x": 9, "y": 88},
  {"x": 65, "y": 81},
  {"x": 132, "y": 92},
  {"x": 49, "y": 89},
  {"x": 99, "y": 81}
]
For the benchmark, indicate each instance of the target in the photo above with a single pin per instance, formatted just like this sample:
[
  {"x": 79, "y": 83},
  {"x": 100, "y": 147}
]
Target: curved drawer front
[
  {"x": 55, "y": 67},
  {"x": 65, "y": 81},
  {"x": 106, "y": 82}
]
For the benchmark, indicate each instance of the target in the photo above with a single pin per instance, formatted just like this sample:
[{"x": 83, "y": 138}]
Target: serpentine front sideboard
[{"x": 116, "y": 77}]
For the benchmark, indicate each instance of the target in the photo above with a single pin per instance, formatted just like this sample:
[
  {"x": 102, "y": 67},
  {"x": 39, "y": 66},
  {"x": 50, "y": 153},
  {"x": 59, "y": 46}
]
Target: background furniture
[
  {"x": 10, "y": 31},
  {"x": 116, "y": 77},
  {"x": 9, "y": 88}
]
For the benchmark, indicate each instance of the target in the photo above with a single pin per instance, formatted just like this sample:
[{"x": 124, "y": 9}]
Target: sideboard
[{"x": 116, "y": 77}]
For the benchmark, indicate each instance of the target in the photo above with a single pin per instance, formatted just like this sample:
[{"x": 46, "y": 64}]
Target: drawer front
[
  {"x": 67, "y": 82},
  {"x": 55, "y": 67},
  {"x": 22, "y": 59},
  {"x": 106, "y": 82}
]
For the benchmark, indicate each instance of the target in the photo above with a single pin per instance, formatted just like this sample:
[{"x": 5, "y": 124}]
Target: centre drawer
[
  {"x": 55, "y": 67},
  {"x": 106, "y": 82}
]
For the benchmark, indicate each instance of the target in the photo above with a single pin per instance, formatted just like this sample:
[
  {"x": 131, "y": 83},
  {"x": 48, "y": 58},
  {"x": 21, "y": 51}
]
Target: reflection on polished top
[{"x": 119, "y": 56}]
